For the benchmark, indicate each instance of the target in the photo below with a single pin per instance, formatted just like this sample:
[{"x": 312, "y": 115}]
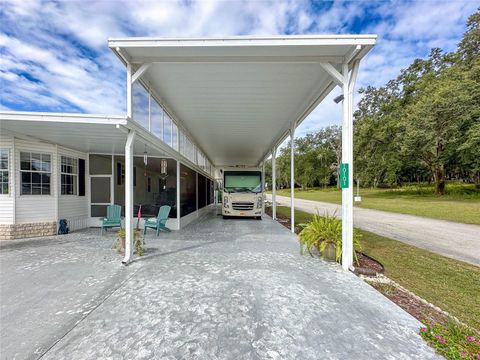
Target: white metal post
[
  {"x": 112, "y": 180},
  {"x": 274, "y": 183},
  {"x": 347, "y": 157},
  {"x": 196, "y": 192},
  {"x": 292, "y": 179},
  {"x": 263, "y": 187},
  {"x": 129, "y": 197},
  {"x": 178, "y": 194},
  {"x": 129, "y": 174}
]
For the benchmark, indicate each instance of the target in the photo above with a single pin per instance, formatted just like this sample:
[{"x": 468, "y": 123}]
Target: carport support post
[
  {"x": 274, "y": 184},
  {"x": 129, "y": 197},
  {"x": 347, "y": 158},
  {"x": 178, "y": 194},
  {"x": 292, "y": 179},
  {"x": 263, "y": 187}
]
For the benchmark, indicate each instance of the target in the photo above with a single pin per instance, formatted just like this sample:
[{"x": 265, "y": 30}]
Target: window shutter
[{"x": 81, "y": 177}]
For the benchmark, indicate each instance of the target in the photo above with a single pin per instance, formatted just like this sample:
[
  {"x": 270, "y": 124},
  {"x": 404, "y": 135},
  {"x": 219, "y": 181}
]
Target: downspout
[
  {"x": 129, "y": 174},
  {"x": 129, "y": 198}
]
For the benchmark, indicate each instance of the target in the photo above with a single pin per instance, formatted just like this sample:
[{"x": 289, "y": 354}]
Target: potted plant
[
  {"x": 137, "y": 242},
  {"x": 119, "y": 244},
  {"x": 324, "y": 235}
]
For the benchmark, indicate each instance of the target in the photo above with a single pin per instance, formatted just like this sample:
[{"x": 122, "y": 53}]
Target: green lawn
[
  {"x": 460, "y": 204},
  {"x": 452, "y": 285}
]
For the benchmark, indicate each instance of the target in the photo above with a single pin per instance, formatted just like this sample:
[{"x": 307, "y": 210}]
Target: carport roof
[{"x": 240, "y": 96}]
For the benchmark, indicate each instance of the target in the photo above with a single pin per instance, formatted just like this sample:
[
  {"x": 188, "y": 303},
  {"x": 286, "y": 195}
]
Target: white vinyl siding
[
  {"x": 7, "y": 201},
  {"x": 75, "y": 210}
]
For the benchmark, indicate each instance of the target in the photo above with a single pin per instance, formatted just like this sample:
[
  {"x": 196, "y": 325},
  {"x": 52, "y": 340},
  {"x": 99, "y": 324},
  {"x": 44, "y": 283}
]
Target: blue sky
[{"x": 54, "y": 55}]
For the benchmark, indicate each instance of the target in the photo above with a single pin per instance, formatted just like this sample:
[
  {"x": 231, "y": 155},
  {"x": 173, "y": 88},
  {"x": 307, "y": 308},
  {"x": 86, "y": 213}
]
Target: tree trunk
[{"x": 439, "y": 180}]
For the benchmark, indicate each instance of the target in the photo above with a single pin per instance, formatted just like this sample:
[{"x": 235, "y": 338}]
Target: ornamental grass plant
[{"x": 323, "y": 231}]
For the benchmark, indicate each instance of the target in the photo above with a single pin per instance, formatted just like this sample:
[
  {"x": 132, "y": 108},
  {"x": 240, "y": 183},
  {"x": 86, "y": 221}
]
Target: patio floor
[{"x": 219, "y": 289}]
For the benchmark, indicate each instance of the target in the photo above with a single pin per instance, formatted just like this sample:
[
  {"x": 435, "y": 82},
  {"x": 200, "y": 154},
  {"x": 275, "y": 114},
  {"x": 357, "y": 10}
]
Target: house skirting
[{"x": 27, "y": 230}]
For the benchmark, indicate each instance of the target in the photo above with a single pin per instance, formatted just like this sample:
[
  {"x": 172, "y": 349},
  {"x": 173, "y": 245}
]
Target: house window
[
  {"x": 3, "y": 171},
  {"x": 35, "y": 173},
  {"x": 69, "y": 175}
]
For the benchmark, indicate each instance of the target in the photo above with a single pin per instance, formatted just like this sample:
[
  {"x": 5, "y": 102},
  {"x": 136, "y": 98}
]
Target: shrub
[{"x": 324, "y": 230}]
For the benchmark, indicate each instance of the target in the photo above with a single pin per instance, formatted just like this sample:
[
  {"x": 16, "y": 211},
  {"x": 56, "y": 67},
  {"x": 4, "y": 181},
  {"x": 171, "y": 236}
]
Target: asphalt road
[{"x": 454, "y": 240}]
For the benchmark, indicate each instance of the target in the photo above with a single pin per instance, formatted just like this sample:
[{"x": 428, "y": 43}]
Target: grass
[
  {"x": 452, "y": 285},
  {"x": 461, "y": 203}
]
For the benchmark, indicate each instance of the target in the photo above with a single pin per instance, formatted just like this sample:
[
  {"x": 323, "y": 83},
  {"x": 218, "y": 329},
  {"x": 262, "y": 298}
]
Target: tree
[
  {"x": 423, "y": 125},
  {"x": 437, "y": 118}
]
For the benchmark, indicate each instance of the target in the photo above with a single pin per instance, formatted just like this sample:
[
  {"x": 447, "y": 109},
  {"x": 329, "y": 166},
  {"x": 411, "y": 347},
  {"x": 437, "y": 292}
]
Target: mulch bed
[
  {"x": 368, "y": 266},
  {"x": 411, "y": 304}
]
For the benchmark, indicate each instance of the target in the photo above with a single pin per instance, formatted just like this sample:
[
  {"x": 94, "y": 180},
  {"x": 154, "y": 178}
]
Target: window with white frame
[
  {"x": 156, "y": 119},
  {"x": 167, "y": 129},
  {"x": 174, "y": 136},
  {"x": 68, "y": 175},
  {"x": 4, "y": 172},
  {"x": 182, "y": 142},
  {"x": 35, "y": 173}
]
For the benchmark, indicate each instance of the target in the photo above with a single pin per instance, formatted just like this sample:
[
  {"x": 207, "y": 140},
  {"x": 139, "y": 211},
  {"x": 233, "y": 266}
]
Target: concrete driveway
[
  {"x": 219, "y": 289},
  {"x": 454, "y": 240}
]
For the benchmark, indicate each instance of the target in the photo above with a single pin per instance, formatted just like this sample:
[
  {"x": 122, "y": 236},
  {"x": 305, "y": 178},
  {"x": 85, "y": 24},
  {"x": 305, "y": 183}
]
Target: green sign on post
[{"x": 343, "y": 176}]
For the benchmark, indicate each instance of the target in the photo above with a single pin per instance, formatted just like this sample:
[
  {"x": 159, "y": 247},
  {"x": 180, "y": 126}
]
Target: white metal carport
[{"x": 241, "y": 97}]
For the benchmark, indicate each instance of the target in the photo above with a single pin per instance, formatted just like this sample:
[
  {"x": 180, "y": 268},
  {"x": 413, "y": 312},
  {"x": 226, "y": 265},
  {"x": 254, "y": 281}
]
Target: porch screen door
[{"x": 100, "y": 195}]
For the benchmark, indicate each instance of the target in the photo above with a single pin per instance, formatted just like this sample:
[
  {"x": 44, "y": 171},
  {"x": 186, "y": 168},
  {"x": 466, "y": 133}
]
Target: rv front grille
[{"x": 242, "y": 206}]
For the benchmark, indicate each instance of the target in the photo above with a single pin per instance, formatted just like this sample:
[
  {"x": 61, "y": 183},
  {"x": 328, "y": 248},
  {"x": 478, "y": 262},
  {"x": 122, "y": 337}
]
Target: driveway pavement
[
  {"x": 455, "y": 240},
  {"x": 219, "y": 289}
]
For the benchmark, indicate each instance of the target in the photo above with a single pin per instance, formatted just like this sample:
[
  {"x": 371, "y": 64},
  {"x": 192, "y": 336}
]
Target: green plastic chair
[
  {"x": 159, "y": 222},
  {"x": 114, "y": 217}
]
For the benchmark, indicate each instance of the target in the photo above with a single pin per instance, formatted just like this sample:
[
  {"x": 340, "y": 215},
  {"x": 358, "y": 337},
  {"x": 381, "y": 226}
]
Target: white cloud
[
  {"x": 54, "y": 55},
  {"x": 407, "y": 31}
]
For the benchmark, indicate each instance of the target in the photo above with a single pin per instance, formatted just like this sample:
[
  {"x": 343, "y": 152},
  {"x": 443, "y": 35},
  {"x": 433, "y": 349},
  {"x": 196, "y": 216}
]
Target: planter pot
[
  {"x": 330, "y": 252},
  {"x": 314, "y": 252},
  {"x": 121, "y": 241}
]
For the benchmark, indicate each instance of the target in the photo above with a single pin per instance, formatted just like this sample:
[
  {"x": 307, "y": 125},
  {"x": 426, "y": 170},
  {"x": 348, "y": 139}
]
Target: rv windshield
[{"x": 243, "y": 181}]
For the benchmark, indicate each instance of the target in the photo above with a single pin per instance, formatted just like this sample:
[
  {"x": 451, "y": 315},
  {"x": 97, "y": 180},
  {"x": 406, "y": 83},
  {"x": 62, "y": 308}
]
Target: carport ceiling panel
[{"x": 235, "y": 110}]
